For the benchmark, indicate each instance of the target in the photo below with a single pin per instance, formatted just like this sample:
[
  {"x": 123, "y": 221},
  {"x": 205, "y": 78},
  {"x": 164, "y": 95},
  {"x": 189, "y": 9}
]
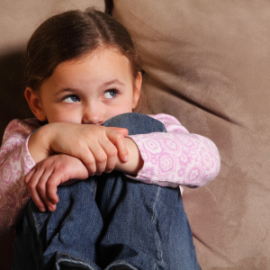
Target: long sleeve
[
  {"x": 176, "y": 157},
  {"x": 15, "y": 163}
]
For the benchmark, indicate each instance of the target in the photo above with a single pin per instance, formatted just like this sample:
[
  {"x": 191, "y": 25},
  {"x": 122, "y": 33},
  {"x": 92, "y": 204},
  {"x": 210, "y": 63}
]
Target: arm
[
  {"x": 15, "y": 163},
  {"x": 176, "y": 157},
  {"x": 52, "y": 171},
  {"x": 42, "y": 181},
  {"x": 97, "y": 146},
  {"x": 47, "y": 175}
]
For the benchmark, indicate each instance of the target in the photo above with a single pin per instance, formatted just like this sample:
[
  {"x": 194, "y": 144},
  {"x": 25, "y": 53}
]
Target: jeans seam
[
  {"x": 73, "y": 261},
  {"x": 122, "y": 262},
  {"x": 157, "y": 237}
]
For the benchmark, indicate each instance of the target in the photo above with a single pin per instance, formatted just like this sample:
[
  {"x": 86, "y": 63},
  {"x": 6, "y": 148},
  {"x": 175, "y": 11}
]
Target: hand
[
  {"x": 98, "y": 147},
  {"x": 43, "y": 180},
  {"x": 135, "y": 161}
]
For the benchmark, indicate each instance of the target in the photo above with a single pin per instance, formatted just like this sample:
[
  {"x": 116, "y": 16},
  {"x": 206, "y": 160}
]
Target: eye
[
  {"x": 111, "y": 93},
  {"x": 71, "y": 99}
]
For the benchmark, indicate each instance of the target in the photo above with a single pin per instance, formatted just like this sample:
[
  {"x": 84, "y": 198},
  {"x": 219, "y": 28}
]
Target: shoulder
[
  {"x": 171, "y": 123},
  {"x": 20, "y": 127},
  {"x": 164, "y": 118}
]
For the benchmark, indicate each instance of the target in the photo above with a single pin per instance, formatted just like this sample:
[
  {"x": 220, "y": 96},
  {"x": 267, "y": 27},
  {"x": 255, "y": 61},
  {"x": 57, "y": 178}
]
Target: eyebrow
[
  {"x": 112, "y": 82},
  {"x": 63, "y": 90},
  {"x": 69, "y": 89}
]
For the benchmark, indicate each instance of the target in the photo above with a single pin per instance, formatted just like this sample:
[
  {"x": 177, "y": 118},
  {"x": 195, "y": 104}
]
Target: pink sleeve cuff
[{"x": 28, "y": 160}]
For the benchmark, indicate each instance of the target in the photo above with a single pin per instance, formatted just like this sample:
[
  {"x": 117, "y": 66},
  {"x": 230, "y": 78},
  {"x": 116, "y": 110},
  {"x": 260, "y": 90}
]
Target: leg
[
  {"x": 62, "y": 239},
  {"x": 145, "y": 225}
]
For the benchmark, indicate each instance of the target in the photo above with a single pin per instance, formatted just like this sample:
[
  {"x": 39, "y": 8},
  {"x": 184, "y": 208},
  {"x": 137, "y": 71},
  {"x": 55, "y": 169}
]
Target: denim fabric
[{"x": 109, "y": 220}]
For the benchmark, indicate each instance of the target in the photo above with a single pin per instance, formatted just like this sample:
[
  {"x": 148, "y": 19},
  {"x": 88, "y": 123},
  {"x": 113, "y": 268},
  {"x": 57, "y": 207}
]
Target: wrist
[
  {"x": 39, "y": 144},
  {"x": 135, "y": 161}
]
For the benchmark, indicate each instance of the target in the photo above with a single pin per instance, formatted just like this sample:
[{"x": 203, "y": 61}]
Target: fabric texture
[
  {"x": 170, "y": 159},
  {"x": 207, "y": 63},
  {"x": 109, "y": 220}
]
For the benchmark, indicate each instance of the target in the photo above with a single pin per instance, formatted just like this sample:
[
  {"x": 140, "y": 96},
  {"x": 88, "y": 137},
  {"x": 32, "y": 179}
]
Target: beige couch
[{"x": 208, "y": 64}]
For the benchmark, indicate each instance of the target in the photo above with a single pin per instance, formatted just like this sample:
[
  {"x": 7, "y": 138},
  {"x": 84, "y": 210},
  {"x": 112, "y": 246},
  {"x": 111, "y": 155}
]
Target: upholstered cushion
[
  {"x": 208, "y": 64},
  {"x": 18, "y": 20}
]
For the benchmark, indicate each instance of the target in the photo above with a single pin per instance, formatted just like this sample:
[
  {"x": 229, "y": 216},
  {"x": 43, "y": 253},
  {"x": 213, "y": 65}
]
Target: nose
[{"x": 92, "y": 114}]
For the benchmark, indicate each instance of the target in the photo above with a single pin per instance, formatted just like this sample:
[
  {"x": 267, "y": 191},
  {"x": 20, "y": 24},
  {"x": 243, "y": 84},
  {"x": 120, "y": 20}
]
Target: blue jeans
[{"x": 107, "y": 221}]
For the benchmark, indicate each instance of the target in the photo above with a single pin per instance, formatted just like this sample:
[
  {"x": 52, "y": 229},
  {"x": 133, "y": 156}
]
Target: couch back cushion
[{"x": 208, "y": 64}]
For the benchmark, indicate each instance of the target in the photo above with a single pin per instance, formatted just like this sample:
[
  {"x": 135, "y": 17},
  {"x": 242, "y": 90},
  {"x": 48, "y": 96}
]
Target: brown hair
[{"x": 70, "y": 35}]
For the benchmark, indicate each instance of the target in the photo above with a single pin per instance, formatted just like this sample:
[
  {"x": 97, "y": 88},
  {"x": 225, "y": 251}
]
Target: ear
[
  {"x": 35, "y": 104},
  {"x": 137, "y": 90}
]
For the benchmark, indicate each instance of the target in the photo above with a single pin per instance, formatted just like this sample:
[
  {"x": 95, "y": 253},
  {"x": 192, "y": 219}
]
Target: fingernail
[{"x": 125, "y": 158}]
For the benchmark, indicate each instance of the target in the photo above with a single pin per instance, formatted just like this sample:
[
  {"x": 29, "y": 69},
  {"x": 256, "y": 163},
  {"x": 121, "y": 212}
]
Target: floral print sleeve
[
  {"x": 15, "y": 163},
  {"x": 176, "y": 157}
]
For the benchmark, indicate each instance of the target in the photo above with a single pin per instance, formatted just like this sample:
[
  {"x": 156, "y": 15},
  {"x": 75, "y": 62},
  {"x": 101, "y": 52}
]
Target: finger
[
  {"x": 28, "y": 177},
  {"x": 52, "y": 207},
  {"x": 111, "y": 153},
  {"x": 32, "y": 180},
  {"x": 86, "y": 156},
  {"x": 100, "y": 157},
  {"x": 42, "y": 186},
  {"x": 53, "y": 182},
  {"x": 119, "y": 141},
  {"x": 124, "y": 131}
]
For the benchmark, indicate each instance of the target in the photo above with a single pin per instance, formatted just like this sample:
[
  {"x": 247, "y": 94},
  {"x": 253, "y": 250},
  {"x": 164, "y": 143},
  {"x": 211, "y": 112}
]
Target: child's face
[{"x": 91, "y": 89}]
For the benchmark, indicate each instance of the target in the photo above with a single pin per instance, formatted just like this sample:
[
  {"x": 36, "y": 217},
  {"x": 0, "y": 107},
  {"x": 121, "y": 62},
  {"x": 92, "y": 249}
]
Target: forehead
[
  {"x": 91, "y": 70},
  {"x": 101, "y": 63}
]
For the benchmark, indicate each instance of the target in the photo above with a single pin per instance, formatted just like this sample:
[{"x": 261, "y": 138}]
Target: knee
[{"x": 136, "y": 123}]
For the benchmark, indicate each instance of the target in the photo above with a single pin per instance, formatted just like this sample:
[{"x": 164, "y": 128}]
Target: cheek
[
  {"x": 59, "y": 115},
  {"x": 120, "y": 110}
]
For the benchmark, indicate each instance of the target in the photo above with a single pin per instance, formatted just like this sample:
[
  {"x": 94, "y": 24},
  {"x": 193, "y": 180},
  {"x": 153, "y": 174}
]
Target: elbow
[
  {"x": 5, "y": 229},
  {"x": 211, "y": 162},
  {"x": 208, "y": 167},
  {"x": 218, "y": 163}
]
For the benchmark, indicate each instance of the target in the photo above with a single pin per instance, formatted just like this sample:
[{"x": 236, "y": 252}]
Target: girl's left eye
[
  {"x": 110, "y": 93},
  {"x": 71, "y": 99}
]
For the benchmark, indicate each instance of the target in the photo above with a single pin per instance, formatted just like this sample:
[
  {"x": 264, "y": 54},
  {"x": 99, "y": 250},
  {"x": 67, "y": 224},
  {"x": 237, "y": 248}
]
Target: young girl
[{"x": 83, "y": 82}]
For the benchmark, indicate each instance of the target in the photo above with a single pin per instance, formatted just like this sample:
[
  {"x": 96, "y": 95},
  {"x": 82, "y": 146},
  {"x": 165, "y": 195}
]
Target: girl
[{"x": 83, "y": 82}]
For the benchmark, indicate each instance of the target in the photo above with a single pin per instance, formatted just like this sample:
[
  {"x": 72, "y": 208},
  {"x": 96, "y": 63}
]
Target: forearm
[
  {"x": 40, "y": 148},
  {"x": 135, "y": 161},
  {"x": 177, "y": 159}
]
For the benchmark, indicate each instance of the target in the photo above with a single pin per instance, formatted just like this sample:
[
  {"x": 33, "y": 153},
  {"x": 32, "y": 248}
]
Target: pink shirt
[{"x": 170, "y": 159}]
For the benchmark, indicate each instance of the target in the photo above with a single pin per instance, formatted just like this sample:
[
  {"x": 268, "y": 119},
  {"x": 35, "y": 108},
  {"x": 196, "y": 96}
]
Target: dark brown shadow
[
  {"x": 6, "y": 251},
  {"x": 12, "y": 103},
  {"x": 109, "y": 6}
]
